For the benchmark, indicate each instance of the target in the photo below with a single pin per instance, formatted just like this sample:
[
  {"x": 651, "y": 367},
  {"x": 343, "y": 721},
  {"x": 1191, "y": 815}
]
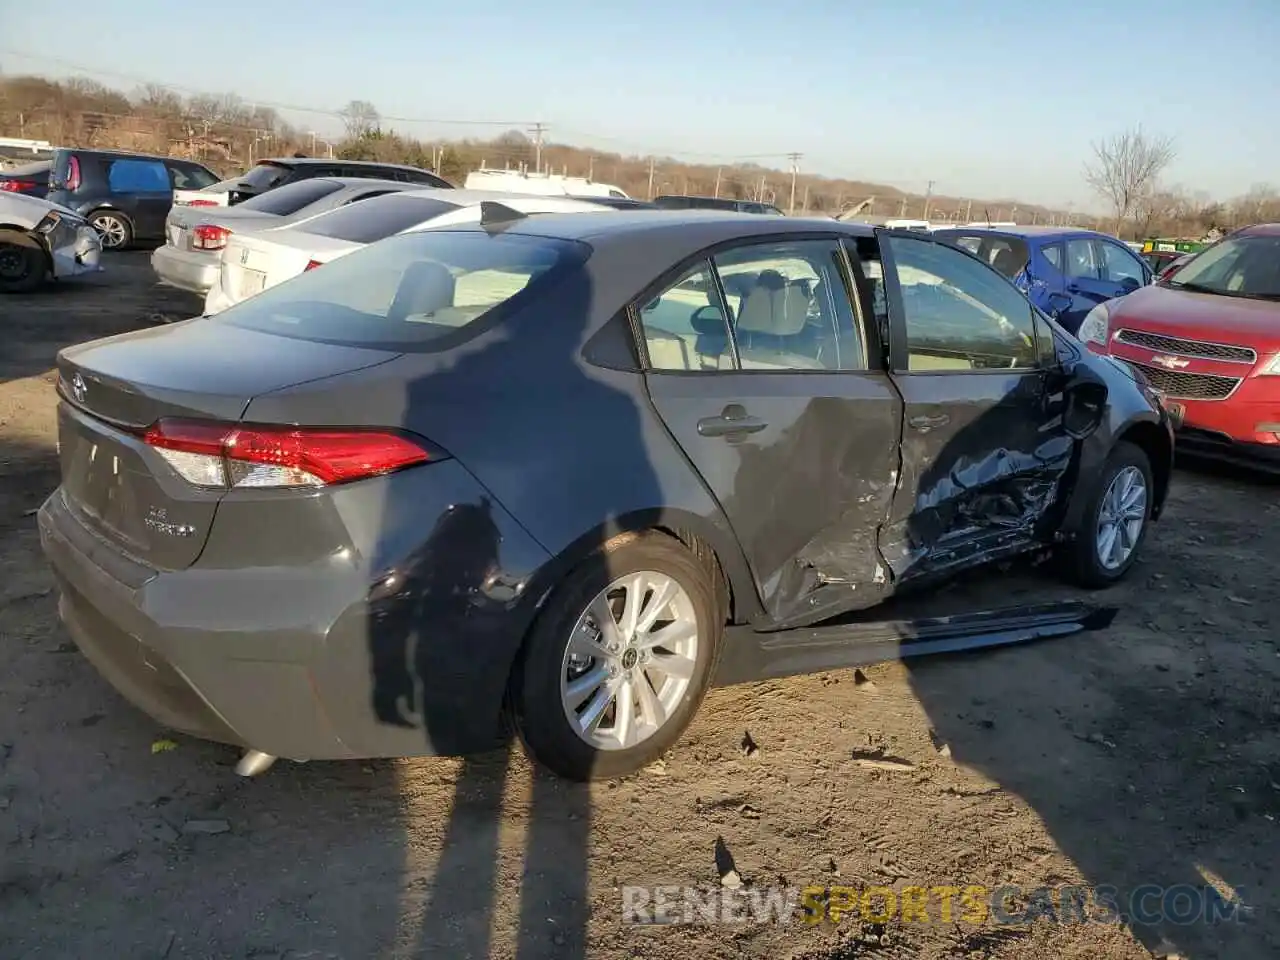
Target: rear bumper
[
  {"x": 188, "y": 270},
  {"x": 304, "y": 663}
]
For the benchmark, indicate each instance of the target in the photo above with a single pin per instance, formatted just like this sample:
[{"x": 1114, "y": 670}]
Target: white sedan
[
  {"x": 252, "y": 262},
  {"x": 39, "y": 239}
]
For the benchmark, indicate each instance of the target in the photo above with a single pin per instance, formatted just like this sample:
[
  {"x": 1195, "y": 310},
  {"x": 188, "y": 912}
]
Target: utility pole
[
  {"x": 760, "y": 190},
  {"x": 651, "y": 162},
  {"x": 538, "y": 130},
  {"x": 902, "y": 208},
  {"x": 717, "y": 193},
  {"x": 804, "y": 206},
  {"x": 968, "y": 211},
  {"x": 795, "y": 169},
  {"x": 928, "y": 195},
  {"x": 591, "y": 167}
]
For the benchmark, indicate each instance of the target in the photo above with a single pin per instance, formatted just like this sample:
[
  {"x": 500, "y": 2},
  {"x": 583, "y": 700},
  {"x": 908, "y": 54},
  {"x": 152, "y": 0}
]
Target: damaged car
[
  {"x": 40, "y": 240},
  {"x": 558, "y": 469}
]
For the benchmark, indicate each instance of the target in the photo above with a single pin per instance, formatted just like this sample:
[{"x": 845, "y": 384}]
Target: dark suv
[
  {"x": 673, "y": 202},
  {"x": 126, "y": 196},
  {"x": 268, "y": 174}
]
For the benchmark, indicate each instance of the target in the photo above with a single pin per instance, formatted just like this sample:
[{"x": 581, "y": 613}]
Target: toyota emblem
[{"x": 78, "y": 388}]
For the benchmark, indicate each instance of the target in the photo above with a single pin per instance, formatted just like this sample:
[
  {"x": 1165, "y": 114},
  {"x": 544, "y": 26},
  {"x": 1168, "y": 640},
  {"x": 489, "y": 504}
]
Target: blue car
[{"x": 1063, "y": 271}]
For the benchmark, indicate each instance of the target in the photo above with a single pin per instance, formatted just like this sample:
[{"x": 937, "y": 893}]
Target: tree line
[{"x": 228, "y": 133}]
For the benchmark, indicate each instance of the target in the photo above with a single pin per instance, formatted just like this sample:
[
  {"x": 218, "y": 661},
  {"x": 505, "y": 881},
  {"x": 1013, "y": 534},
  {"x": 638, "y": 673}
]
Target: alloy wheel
[
  {"x": 629, "y": 660},
  {"x": 1121, "y": 516},
  {"x": 112, "y": 230}
]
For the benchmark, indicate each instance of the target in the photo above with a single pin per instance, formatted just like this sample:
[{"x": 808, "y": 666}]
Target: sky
[{"x": 992, "y": 99}]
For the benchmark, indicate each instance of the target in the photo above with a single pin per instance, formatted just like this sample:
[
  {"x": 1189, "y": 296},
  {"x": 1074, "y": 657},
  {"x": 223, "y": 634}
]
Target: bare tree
[
  {"x": 360, "y": 117},
  {"x": 1126, "y": 169}
]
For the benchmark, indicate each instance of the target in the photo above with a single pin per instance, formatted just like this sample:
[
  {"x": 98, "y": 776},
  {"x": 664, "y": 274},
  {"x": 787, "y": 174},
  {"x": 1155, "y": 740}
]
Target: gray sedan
[{"x": 195, "y": 236}]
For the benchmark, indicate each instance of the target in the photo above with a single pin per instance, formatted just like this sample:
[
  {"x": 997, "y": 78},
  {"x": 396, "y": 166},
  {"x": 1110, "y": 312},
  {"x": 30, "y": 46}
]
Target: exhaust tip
[{"x": 254, "y": 762}]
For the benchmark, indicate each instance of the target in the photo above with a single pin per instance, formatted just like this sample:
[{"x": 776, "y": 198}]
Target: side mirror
[
  {"x": 1129, "y": 284},
  {"x": 1086, "y": 406},
  {"x": 1058, "y": 304}
]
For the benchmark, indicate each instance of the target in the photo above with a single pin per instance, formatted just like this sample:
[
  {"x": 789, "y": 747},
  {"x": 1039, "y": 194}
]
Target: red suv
[{"x": 1208, "y": 337}]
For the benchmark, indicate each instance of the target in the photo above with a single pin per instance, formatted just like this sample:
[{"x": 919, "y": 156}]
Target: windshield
[
  {"x": 1238, "y": 267},
  {"x": 292, "y": 197},
  {"x": 376, "y": 219},
  {"x": 409, "y": 290}
]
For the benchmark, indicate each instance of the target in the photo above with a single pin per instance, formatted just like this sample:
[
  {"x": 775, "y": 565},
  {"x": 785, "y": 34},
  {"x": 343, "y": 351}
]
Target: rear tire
[
  {"x": 114, "y": 228},
  {"x": 1114, "y": 524},
  {"x": 588, "y": 712},
  {"x": 22, "y": 268}
]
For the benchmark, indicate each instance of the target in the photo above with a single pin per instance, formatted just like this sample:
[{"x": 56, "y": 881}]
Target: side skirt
[{"x": 749, "y": 655}]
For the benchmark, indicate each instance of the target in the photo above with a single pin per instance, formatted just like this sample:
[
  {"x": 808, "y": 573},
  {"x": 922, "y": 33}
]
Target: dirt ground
[{"x": 1145, "y": 753}]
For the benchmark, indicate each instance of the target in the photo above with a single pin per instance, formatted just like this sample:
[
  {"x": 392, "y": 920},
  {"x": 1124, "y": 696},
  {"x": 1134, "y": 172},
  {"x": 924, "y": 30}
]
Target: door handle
[
  {"x": 925, "y": 423},
  {"x": 734, "y": 419}
]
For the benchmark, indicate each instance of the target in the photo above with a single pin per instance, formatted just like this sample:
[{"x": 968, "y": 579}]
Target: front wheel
[
  {"x": 1115, "y": 519},
  {"x": 22, "y": 268},
  {"x": 619, "y": 660}
]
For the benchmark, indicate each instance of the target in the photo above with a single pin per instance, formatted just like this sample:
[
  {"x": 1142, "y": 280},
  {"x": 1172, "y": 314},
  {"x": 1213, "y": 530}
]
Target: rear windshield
[
  {"x": 377, "y": 219},
  {"x": 409, "y": 291},
  {"x": 265, "y": 176},
  {"x": 1237, "y": 267},
  {"x": 28, "y": 169},
  {"x": 292, "y": 197}
]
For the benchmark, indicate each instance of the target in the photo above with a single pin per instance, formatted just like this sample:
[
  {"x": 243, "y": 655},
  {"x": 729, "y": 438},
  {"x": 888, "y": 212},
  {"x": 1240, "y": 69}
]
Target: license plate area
[{"x": 249, "y": 283}]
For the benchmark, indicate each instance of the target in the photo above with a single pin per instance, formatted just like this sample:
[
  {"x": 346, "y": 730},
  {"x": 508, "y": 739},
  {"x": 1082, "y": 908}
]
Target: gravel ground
[{"x": 1145, "y": 753}]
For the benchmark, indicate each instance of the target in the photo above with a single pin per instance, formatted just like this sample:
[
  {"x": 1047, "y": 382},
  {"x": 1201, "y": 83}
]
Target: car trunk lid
[
  {"x": 112, "y": 390},
  {"x": 182, "y": 220},
  {"x": 253, "y": 262}
]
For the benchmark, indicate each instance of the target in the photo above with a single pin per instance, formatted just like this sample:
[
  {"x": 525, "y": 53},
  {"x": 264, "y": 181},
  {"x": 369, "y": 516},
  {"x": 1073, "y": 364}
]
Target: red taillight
[
  {"x": 208, "y": 236},
  {"x": 200, "y": 203},
  {"x": 17, "y": 186},
  {"x": 311, "y": 265},
  {"x": 73, "y": 173},
  {"x": 222, "y": 455}
]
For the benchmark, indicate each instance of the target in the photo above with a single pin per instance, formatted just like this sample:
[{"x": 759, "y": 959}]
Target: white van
[{"x": 541, "y": 184}]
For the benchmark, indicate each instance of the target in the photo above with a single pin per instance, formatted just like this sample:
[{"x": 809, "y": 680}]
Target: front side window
[
  {"x": 408, "y": 291},
  {"x": 1121, "y": 266},
  {"x": 1238, "y": 267},
  {"x": 959, "y": 314},
  {"x": 188, "y": 176},
  {"x": 1053, "y": 253},
  {"x": 789, "y": 307},
  {"x": 138, "y": 176}
]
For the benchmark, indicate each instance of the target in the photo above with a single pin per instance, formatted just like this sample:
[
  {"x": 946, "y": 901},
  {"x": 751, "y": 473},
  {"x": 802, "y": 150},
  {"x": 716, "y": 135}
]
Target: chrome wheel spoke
[
  {"x": 590, "y": 718},
  {"x": 577, "y": 691},
  {"x": 652, "y": 712},
  {"x": 602, "y": 614},
  {"x": 673, "y": 665},
  {"x": 625, "y": 715},
  {"x": 671, "y": 637},
  {"x": 659, "y": 600}
]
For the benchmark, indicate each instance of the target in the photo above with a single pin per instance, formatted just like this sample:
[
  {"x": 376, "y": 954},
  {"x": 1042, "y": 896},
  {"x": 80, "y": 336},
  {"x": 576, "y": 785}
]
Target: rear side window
[
  {"x": 411, "y": 290},
  {"x": 422, "y": 177},
  {"x": 292, "y": 197},
  {"x": 376, "y": 219},
  {"x": 188, "y": 176},
  {"x": 1053, "y": 253},
  {"x": 137, "y": 176},
  {"x": 265, "y": 176}
]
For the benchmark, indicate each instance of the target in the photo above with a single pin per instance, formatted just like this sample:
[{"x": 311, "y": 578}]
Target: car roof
[
  {"x": 465, "y": 197},
  {"x": 707, "y": 226},
  {"x": 1025, "y": 232},
  {"x": 315, "y": 161},
  {"x": 132, "y": 154},
  {"x": 362, "y": 182},
  {"x": 1259, "y": 230}
]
